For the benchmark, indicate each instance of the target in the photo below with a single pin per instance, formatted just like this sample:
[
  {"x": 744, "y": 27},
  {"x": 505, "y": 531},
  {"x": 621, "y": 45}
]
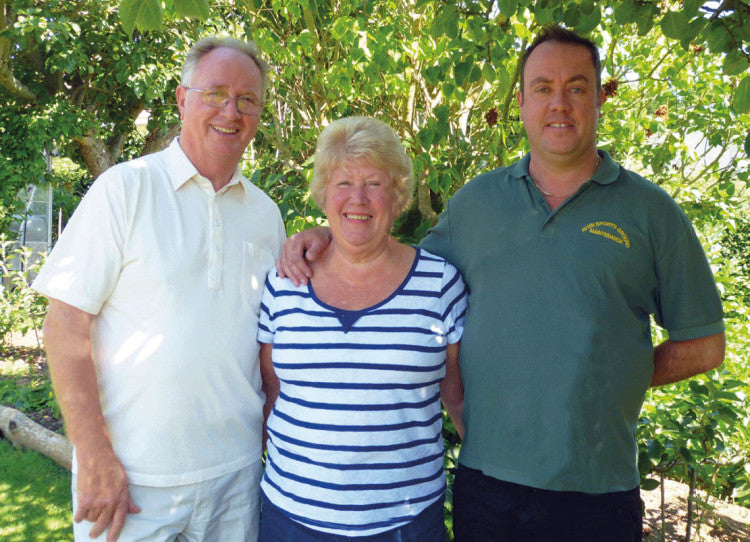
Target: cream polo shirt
[{"x": 174, "y": 273}]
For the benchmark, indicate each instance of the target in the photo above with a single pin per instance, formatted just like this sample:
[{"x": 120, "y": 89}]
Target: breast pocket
[{"x": 256, "y": 262}]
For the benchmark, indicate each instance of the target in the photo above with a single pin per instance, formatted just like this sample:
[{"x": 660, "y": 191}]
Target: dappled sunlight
[
  {"x": 439, "y": 337},
  {"x": 177, "y": 502},
  {"x": 141, "y": 343},
  {"x": 34, "y": 497},
  {"x": 149, "y": 348},
  {"x": 129, "y": 347},
  {"x": 255, "y": 283},
  {"x": 61, "y": 283}
]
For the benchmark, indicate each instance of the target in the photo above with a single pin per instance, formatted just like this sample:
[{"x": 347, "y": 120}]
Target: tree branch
[
  {"x": 7, "y": 80},
  {"x": 22, "y": 432}
]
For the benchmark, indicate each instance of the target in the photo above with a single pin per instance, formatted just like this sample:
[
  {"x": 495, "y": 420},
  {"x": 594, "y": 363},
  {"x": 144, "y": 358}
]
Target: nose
[
  {"x": 559, "y": 101},
  {"x": 231, "y": 110},
  {"x": 358, "y": 193}
]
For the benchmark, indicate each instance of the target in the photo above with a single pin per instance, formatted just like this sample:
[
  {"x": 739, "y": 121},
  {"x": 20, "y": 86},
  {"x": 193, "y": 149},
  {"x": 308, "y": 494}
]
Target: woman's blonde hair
[{"x": 367, "y": 139}]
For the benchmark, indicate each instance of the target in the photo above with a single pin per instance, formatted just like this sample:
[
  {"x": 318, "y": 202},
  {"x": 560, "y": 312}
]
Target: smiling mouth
[
  {"x": 357, "y": 217},
  {"x": 224, "y": 130},
  {"x": 559, "y": 125}
]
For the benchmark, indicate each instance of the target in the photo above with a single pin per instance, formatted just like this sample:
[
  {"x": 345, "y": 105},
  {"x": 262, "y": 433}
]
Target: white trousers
[{"x": 225, "y": 509}]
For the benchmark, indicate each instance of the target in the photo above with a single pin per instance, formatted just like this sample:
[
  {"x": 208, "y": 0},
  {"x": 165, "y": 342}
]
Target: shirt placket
[{"x": 216, "y": 245}]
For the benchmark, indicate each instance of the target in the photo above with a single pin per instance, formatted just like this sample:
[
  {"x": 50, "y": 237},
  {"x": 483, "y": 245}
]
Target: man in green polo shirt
[{"x": 566, "y": 255}]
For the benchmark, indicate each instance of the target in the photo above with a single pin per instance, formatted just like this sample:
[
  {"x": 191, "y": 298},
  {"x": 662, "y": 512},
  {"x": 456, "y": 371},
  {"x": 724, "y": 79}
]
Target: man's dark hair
[{"x": 558, "y": 34}]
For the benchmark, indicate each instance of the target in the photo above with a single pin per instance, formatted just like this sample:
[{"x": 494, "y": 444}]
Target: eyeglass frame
[{"x": 226, "y": 102}]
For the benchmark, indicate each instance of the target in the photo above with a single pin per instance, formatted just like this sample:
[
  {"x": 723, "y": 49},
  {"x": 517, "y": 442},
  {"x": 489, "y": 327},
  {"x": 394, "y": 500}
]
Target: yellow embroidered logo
[{"x": 609, "y": 230}]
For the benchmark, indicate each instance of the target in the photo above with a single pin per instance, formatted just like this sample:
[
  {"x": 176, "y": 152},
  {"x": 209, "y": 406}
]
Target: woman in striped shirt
[{"x": 355, "y": 363}]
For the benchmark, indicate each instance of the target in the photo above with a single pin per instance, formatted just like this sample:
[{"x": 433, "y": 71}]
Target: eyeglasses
[{"x": 215, "y": 97}]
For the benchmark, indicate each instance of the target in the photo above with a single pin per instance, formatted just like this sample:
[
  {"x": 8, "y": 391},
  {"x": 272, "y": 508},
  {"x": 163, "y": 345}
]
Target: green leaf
[
  {"x": 587, "y": 7},
  {"x": 741, "y": 100},
  {"x": 192, "y": 8},
  {"x": 507, "y": 7},
  {"x": 649, "y": 484},
  {"x": 625, "y": 13},
  {"x": 735, "y": 63},
  {"x": 144, "y": 14},
  {"x": 442, "y": 113},
  {"x": 461, "y": 71},
  {"x": 475, "y": 74},
  {"x": 426, "y": 136},
  {"x": 691, "y": 8},
  {"x": 728, "y": 187},
  {"x": 645, "y": 20},
  {"x": 448, "y": 89},
  {"x": 445, "y": 182},
  {"x": 747, "y": 145},
  {"x": 697, "y": 388},
  {"x": 589, "y": 21},
  {"x": 655, "y": 448},
  {"x": 543, "y": 15},
  {"x": 488, "y": 72},
  {"x": 675, "y": 24},
  {"x": 571, "y": 15},
  {"x": 128, "y": 13},
  {"x": 432, "y": 75},
  {"x": 685, "y": 453},
  {"x": 719, "y": 40},
  {"x": 446, "y": 22},
  {"x": 433, "y": 182},
  {"x": 644, "y": 463}
]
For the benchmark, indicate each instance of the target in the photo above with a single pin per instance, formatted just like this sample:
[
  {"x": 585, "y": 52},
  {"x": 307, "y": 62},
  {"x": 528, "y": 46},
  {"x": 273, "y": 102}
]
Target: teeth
[
  {"x": 224, "y": 130},
  {"x": 558, "y": 125},
  {"x": 358, "y": 217}
]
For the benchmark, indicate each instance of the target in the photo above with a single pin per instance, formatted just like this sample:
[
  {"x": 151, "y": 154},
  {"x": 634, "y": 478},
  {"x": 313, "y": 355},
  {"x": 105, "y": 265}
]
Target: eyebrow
[
  {"x": 226, "y": 88},
  {"x": 575, "y": 78}
]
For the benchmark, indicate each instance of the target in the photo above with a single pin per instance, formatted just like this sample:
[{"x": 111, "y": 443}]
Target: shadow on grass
[{"x": 34, "y": 497}]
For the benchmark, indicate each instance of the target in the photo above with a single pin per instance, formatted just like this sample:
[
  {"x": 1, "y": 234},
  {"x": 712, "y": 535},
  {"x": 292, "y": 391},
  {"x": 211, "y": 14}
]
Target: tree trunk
[
  {"x": 96, "y": 155},
  {"x": 157, "y": 140},
  {"x": 25, "y": 433}
]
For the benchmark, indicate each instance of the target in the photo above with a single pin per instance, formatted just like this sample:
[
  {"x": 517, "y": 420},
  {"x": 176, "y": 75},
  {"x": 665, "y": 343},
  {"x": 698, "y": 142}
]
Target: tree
[
  {"x": 445, "y": 74},
  {"x": 73, "y": 83}
]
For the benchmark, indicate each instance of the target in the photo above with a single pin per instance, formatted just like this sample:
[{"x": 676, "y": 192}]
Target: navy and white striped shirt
[{"x": 355, "y": 444}]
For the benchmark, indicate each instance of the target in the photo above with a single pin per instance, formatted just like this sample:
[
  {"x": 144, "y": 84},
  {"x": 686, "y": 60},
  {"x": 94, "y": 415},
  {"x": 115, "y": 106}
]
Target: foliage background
[{"x": 74, "y": 76}]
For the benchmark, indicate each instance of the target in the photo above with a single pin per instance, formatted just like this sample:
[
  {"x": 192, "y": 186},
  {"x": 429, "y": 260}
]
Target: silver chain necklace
[{"x": 566, "y": 196}]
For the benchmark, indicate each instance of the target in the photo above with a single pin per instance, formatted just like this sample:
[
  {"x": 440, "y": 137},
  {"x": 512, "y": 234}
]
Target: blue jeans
[
  {"x": 275, "y": 526},
  {"x": 490, "y": 510}
]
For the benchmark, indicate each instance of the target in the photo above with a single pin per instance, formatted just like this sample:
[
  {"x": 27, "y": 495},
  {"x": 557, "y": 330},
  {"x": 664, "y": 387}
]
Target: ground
[
  {"x": 718, "y": 521},
  {"x": 714, "y": 521}
]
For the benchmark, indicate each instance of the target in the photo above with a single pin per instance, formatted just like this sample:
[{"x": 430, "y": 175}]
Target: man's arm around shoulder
[
  {"x": 677, "y": 360},
  {"x": 103, "y": 495}
]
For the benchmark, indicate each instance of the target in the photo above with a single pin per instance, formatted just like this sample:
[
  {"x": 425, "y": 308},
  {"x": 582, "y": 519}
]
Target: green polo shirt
[{"x": 557, "y": 354}]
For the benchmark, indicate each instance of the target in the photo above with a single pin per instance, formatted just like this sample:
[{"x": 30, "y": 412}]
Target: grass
[
  {"x": 34, "y": 491},
  {"x": 34, "y": 497}
]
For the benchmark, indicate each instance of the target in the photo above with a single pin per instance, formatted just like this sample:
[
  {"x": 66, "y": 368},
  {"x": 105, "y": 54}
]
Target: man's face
[
  {"x": 210, "y": 135},
  {"x": 560, "y": 103}
]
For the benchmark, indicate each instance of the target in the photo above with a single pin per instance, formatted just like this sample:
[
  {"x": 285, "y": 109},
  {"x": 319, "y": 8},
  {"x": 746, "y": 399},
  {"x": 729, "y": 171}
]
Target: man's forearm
[
  {"x": 677, "y": 360},
  {"x": 102, "y": 485},
  {"x": 73, "y": 375}
]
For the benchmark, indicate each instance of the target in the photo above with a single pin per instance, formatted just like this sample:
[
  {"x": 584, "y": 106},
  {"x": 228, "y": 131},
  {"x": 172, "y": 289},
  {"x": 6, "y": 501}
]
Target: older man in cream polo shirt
[{"x": 154, "y": 291}]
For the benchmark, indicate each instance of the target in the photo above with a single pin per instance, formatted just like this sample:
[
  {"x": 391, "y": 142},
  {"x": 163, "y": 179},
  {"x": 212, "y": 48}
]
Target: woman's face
[{"x": 360, "y": 201}]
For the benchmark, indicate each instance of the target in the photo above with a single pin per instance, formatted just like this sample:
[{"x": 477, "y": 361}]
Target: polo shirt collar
[
  {"x": 181, "y": 169},
  {"x": 607, "y": 172}
]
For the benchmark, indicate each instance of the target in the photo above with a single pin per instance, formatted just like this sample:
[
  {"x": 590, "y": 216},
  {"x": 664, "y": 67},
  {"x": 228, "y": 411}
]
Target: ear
[
  {"x": 181, "y": 95},
  {"x": 519, "y": 98},
  {"x": 601, "y": 100}
]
